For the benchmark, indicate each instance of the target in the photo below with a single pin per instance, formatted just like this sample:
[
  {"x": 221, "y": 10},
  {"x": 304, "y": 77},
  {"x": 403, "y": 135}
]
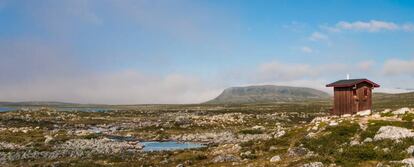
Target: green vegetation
[
  {"x": 408, "y": 117},
  {"x": 266, "y": 94},
  {"x": 329, "y": 144},
  {"x": 251, "y": 131}
]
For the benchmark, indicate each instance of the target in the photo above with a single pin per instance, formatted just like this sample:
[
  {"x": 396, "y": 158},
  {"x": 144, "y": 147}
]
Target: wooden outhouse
[{"x": 352, "y": 95}]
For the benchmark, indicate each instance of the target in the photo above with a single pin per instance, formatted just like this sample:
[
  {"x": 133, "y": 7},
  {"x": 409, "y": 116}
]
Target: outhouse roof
[{"x": 351, "y": 82}]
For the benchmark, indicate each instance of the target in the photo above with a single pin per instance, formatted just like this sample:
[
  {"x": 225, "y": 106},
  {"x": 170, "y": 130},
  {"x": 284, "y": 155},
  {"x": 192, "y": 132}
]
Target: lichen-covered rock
[
  {"x": 257, "y": 127},
  {"x": 225, "y": 158},
  {"x": 275, "y": 158},
  {"x": 72, "y": 148},
  {"x": 297, "y": 151},
  {"x": 181, "y": 120},
  {"x": 311, "y": 135},
  {"x": 367, "y": 140},
  {"x": 401, "y": 111},
  {"x": 410, "y": 150},
  {"x": 313, "y": 164},
  {"x": 48, "y": 139},
  {"x": 333, "y": 123},
  {"x": 9, "y": 146},
  {"x": 364, "y": 113},
  {"x": 393, "y": 133},
  {"x": 272, "y": 148},
  {"x": 103, "y": 146},
  {"x": 354, "y": 143},
  {"x": 409, "y": 162},
  {"x": 279, "y": 132},
  {"x": 226, "y": 149}
]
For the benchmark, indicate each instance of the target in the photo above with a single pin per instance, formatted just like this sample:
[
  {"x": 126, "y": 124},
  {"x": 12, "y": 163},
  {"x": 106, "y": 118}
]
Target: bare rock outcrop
[{"x": 393, "y": 133}]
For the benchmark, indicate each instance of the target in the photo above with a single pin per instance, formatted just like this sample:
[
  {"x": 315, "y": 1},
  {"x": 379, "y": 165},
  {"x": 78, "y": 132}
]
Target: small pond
[
  {"x": 169, "y": 145},
  {"x": 4, "y": 109}
]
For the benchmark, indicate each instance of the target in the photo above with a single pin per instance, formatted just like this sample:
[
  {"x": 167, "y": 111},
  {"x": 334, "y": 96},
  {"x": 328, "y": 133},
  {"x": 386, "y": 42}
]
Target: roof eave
[{"x": 349, "y": 85}]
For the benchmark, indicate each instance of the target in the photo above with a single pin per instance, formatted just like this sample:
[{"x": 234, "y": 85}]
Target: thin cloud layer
[
  {"x": 371, "y": 26},
  {"x": 318, "y": 36},
  {"x": 125, "y": 87},
  {"x": 399, "y": 67}
]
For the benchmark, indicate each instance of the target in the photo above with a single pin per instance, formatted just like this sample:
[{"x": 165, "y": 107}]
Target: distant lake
[
  {"x": 169, "y": 145},
  {"x": 4, "y": 109}
]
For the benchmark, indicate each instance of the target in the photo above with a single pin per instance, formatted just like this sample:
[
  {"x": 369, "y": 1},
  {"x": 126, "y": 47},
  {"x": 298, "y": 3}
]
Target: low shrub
[
  {"x": 408, "y": 117},
  {"x": 251, "y": 131}
]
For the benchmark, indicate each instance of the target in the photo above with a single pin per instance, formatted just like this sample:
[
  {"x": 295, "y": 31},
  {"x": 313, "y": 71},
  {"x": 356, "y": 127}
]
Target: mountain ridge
[{"x": 267, "y": 93}]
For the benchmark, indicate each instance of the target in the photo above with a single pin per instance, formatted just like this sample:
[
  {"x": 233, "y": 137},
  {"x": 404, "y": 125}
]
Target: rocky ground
[{"x": 299, "y": 134}]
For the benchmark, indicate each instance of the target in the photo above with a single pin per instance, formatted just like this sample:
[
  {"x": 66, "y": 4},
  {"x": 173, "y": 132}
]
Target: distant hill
[
  {"x": 394, "y": 101},
  {"x": 35, "y": 103},
  {"x": 267, "y": 93},
  {"x": 45, "y": 104}
]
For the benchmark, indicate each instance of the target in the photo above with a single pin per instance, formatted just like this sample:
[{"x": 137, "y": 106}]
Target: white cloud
[
  {"x": 318, "y": 36},
  {"x": 398, "y": 67},
  {"x": 306, "y": 49},
  {"x": 369, "y": 26},
  {"x": 125, "y": 87},
  {"x": 35, "y": 70}
]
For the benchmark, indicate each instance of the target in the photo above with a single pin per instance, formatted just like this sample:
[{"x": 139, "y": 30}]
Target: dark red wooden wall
[{"x": 348, "y": 100}]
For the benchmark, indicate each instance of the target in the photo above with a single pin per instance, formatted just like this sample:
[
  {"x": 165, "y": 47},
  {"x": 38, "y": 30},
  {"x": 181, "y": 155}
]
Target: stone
[
  {"x": 410, "y": 150},
  {"x": 311, "y": 135},
  {"x": 48, "y": 139},
  {"x": 354, "y": 143},
  {"x": 364, "y": 113},
  {"x": 279, "y": 133},
  {"x": 257, "y": 127},
  {"x": 181, "y": 120},
  {"x": 367, "y": 140},
  {"x": 333, "y": 123},
  {"x": 376, "y": 115},
  {"x": 225, "y": 158},
  {"x": 393, "y": 133},
  {"x": 401, "y": 111},
  {"x": 363, "y": 126},
  {"x": 246, "y": 154},
  {"x": 386, "y": 111},
  {"x": 313, "y": 164},
  {"x": 409, "y": 162},
  {"x": 180, "y": 165},
  {"x": 346, "y": 115},
  {"x": 297, "y": 151},
  {"x": 275, "y": 158},
  {"x": 9, "y": 146},
  {"x": 272, "y": 148}
]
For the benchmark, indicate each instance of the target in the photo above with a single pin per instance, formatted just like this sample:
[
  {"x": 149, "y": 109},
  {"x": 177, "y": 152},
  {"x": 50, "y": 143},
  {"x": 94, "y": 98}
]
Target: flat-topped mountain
[{"x": 267, "y": 93}]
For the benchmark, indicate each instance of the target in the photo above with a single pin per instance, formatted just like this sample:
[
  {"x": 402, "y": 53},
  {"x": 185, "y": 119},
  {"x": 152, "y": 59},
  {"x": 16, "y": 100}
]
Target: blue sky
[{"x": 146, "y": 51}]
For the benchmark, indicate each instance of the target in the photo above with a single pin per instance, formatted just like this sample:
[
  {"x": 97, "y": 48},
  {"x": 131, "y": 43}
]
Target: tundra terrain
[{"x": 298, "y": 133}]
